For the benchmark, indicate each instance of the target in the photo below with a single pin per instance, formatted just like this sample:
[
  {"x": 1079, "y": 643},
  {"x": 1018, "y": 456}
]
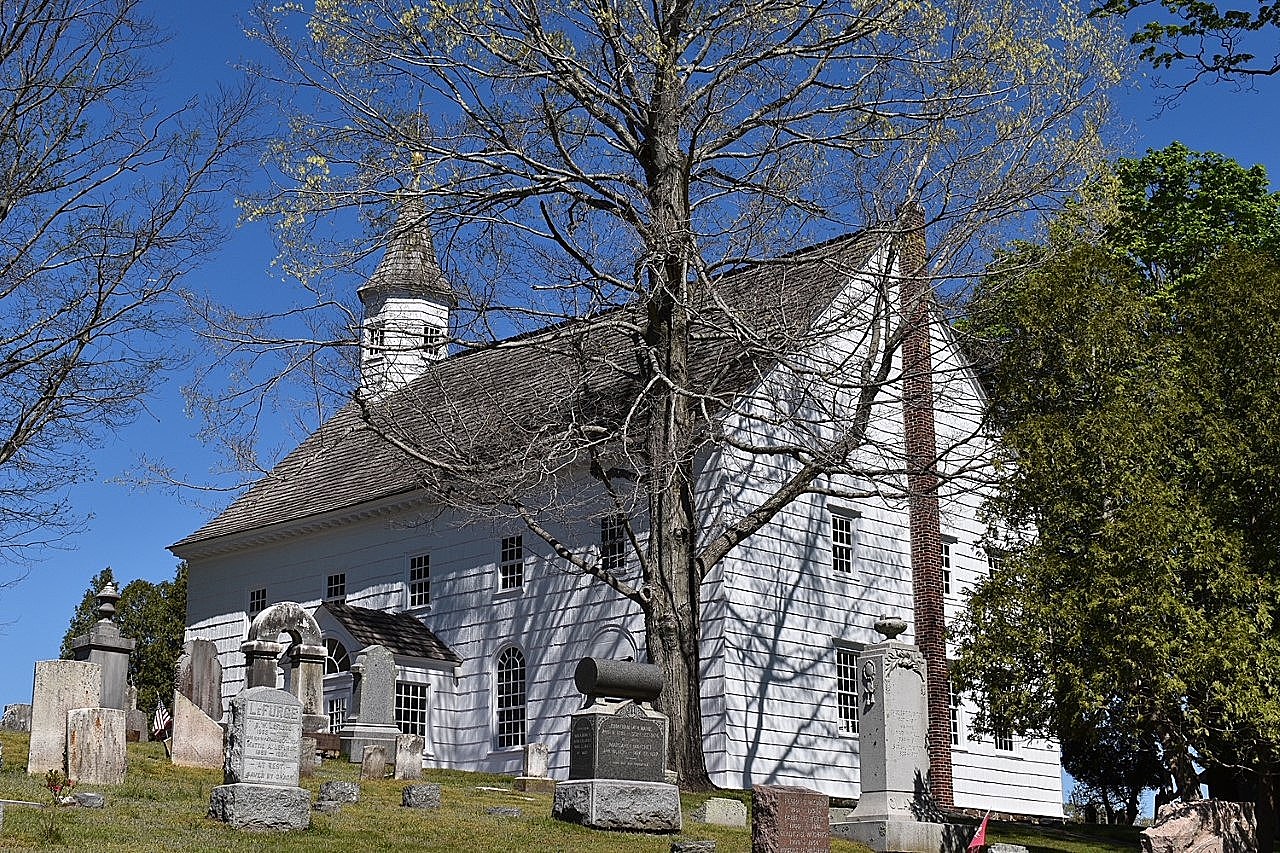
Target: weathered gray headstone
[
  {"x": 1205, "y": 826},
  {"x": 96, "y": 741},
  {"x": 504, "y": 811},
  {"x": 722, "y": 811},
  {"x": 371, "y": 720},
  {"x": 197, "y": 739},
  {"x": 104, "y": 645},
  {"x": 198, "y": 676},
  {"x": 262, "y": 651},
  {"x": 534, "y": 779},
  {"x": 340, "y": 792},
  {"x": 409, "y": 756},
  {"x": 618, "y": 752},
  {"x": 261, "y": 767},
  {"x": 307, "y": 757},
  {"x": 896, "y": 811},
  {"x": 88, "y": 800},
  {"x": 425, "y": 796},
  {"x": 17, "y": 718},
  {"x": 698, "y": 846},
  {"x": 59, "y": 686},
  {"x": 374, "y": 764},
  {"x": 787, "y": 819}
]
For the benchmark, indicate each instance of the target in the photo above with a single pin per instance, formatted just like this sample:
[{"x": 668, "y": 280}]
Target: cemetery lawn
[{"x": 162, "y": 807}]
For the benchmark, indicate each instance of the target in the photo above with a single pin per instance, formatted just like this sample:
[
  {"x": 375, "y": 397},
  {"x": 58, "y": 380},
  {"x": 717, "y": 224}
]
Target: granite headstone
[
  {"x": 787, "y": 819},
  {"x": 372, "y": 714},
  {"x": 261, "y": 767},
  {"x": 198, "y": 676},
  {"x": 17, "y": 718}
]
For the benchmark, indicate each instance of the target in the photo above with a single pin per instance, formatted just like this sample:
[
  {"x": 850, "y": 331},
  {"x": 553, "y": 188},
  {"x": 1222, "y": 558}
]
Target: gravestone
[
  {"x": 17, "y": 718},
  {"x": 262, "y": 651},
  {"x": 136, "y": 725},
  {"x": 96, "y": 739},
  {"x": 372, "y": 719},
  {"x": 722, "y": 811},
  {"x": 260, "y": 771},
  {"x": 104, "y": 645},
  {"x": 198, "y": 676},
  {"x": 59, "y": 686},
  {"x": 787, "y": 819},
  {"x": 896, "y": 811},
  {"x": 197, "y": 739},
  {"x": 409, "y": 756},
  {"x": 374, "y": 763},
  {"x": 307, "y": 757},
  {"x": 534, "y": 779},
  {"x": 618, "y": 752}
]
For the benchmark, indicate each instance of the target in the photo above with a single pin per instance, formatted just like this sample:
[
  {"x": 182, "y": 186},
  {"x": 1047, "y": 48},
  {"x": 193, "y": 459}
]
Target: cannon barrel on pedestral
[{"x": 618, "y": 679}]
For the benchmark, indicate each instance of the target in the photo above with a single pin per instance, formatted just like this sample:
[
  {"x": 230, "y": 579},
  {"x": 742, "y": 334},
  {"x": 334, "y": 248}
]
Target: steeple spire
[{"x": 406, "y": 305}]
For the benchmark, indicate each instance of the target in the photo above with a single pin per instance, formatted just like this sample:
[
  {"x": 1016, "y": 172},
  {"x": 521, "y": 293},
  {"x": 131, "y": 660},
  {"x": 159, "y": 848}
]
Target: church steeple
[{"x": 406, "y": 306}]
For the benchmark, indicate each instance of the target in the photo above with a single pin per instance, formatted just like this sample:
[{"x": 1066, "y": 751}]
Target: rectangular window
[
  {"x": 946, "y": 568},
  {"x": 1003, "y": 738},
  {"x": 257, "y": 601},
  {"x": 511, "y": 563},
  {"x": 411, "y": 708},
  {"x": 420, "y": 580},
  {"x": 613, "y": 543},
  {"x": 844, "y": 541},
  {"x": 995, "y": 560},
  {"x": 377, "y": 340},
  {"x": 432, "y": 342},
  {"x": 955, "y": 714},
  {"x": 337, "y": 709},
  {"x": 335, "y": 586},
  {"x": 847, "y": 690}
]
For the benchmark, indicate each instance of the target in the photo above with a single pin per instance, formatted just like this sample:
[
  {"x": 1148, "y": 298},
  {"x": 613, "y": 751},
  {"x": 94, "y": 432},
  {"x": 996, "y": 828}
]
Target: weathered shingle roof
[
  {"x": 409, "y": 263},
  {"x": 539, "y": 394},
  {"x": 401, "y": 633}
]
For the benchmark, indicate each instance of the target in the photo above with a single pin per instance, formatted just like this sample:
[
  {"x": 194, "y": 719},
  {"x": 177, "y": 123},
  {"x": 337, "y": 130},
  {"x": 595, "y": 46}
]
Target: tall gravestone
[
  {"x": 261, "y": 767},
  {"x": 372, "y": 719},
  {"x": 59, "y": 686},
  {"x": 896, "y": 811},
  {"x": 197, "y": 707},
  {"x": 104, "y": 645},
  {"x": 96, "y": 740},
  {"x": 618, "y": 752},
  {"x": 262, "y": 652}
]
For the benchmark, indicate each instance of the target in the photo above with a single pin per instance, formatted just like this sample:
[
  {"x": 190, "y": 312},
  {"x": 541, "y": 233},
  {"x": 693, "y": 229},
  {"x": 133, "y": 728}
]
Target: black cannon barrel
[{"x": 618, "y": 679}]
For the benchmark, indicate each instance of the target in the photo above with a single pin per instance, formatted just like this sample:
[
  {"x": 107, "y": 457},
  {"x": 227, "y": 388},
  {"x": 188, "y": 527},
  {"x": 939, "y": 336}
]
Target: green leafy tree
[
  {"x": 1209, "y": 40},
  {"x": 1135, "y": 381},
  {"x": 152, "y": 614}
]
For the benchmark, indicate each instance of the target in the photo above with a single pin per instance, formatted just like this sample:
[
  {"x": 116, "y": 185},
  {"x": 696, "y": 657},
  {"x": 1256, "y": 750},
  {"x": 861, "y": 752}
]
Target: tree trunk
[{"x": 1266, "y": 808}]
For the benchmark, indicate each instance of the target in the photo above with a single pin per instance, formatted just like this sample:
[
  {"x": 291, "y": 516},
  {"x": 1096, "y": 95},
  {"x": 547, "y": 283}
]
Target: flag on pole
[
  {"x": 980, "y": 837},
  {"x": 161, "y": 721}
]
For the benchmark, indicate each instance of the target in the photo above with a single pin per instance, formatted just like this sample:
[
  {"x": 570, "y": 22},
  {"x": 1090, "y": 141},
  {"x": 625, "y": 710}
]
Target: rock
[
  {"x": 340, "y": 792},
  {"x": 273, "y": 808},
  {"x": 421, "y": 797},
  {"x": 1204, "y": 826},
  {"x": 693, "y": 847},
  {"x": 504, "y": 811},
  {"x": 90, "y": 801},
  {"x": 722, "y": 811}
]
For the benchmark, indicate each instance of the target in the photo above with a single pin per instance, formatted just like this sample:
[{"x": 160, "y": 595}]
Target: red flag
[{"x": 980, "y": 837}]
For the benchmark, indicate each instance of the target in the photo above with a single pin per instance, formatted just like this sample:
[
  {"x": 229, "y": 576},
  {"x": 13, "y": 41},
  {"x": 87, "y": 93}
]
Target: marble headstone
[
  {"x": 409, "y": 756},
  {"x": 96, "y": 740},
  {"x": 59, "y": 686},
  {"x": 371, "y": 721},
  {"x": 198, "y": 676},
  {"x": 261, "y": 767},
  {"x": 17, "y": 718}
]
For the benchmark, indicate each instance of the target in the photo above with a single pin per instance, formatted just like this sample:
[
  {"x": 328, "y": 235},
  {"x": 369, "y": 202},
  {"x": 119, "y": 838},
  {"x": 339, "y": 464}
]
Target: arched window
[
  {"x": 336, "y": 658},
  {"x": 509, "y": 702}
]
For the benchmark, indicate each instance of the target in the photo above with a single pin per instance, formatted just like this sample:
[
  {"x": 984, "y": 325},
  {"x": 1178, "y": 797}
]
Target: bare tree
[
  {"x": 628, "y": 170},
  {"x": 105, "y": 201}
]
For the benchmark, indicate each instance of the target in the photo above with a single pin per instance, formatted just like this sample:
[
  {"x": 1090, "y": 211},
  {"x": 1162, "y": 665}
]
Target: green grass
[{"x": 162, "y": 807}]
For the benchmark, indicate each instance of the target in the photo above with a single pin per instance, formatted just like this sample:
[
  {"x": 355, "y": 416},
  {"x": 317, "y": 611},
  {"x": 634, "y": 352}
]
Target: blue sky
[{"x": 128, "y": 530}]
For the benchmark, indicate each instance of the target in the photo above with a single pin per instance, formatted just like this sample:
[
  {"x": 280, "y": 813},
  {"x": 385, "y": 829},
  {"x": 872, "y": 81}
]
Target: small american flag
[{"x": 161, "y": 721}]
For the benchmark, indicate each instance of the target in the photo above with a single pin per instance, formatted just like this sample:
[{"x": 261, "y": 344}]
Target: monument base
[
  {"x": 355, "y": 738},
  {"x": 535, "y": 784},
  {"x": 891, "y": 835},
  {"x": 619, "y": 804},
  {"x": 266, "y": 808}
]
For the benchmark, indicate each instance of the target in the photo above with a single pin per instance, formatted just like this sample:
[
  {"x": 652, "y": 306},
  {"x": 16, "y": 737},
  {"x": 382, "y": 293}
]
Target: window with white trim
[
  {"x": 1003, "y": 737},
  {"x": 847, "y": 690},
  {"x": 511, "y": 562},
  {"x": 411, "y": 707},
  {"x": 954, "y": 707},
  {"x": 375, "y": 340},
  {"x": 336, "y": 658},
  {"x": 844, "y": 541},
  {"x": 337, "y": 710},
  {"x": 509, "y": 698},
  {"x": 257, "y": 601},
  {"x": 613, "y": 543},
  {"x": 432, "y": 342},
  {"x": 945, "y": 547},
  {"x": 420, "y": 580},
  {"x": 335, "y": 586}
]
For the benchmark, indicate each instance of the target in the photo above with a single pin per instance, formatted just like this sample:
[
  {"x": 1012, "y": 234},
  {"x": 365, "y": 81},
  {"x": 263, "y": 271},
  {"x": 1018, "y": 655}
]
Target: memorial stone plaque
[
  {"x": 787, "y": 819},
  {"x": 264, "y": 738},
  {"x": 618, "y": 746}
]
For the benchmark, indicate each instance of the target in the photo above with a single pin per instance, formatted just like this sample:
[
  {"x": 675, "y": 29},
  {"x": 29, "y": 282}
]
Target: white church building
[{"x": 487, "y": 623}]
